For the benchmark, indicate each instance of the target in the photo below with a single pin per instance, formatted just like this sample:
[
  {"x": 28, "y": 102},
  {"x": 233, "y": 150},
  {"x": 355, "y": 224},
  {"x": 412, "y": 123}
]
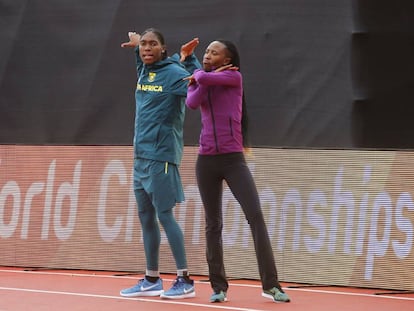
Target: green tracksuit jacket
[{"x": 160, "y": 108}]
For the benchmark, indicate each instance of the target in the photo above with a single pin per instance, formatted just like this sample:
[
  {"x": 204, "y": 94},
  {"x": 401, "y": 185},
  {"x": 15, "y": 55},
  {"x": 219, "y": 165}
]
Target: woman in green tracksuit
[{"x": 158, "y": 146}]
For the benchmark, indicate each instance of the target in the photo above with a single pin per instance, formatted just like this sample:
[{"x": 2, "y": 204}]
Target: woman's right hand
[{"x": 133, "y": 40}]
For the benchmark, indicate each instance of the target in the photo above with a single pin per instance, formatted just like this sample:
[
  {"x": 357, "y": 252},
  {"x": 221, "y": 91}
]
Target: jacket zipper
[{"x": 213, "y": 120}]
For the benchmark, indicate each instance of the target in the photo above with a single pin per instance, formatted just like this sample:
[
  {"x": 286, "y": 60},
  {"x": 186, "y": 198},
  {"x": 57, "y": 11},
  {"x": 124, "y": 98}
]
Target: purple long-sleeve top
[{"x": 219, "y": 97}]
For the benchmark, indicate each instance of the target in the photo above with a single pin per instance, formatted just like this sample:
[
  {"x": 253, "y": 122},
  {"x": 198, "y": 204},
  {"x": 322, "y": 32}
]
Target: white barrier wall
[{"x": 335, "y": 217}]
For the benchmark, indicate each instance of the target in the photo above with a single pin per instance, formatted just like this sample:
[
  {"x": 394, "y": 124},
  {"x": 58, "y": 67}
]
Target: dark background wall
[
  {"x": 317, "y": 73},
  {"x": 383, "y": 67}
]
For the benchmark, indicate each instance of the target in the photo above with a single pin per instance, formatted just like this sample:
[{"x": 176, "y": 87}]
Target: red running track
[{"x": 40, "y": 290}]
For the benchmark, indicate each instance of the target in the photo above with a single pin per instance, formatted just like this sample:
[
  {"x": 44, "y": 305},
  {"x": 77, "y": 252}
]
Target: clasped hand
[{"x": 191, "y": 79}]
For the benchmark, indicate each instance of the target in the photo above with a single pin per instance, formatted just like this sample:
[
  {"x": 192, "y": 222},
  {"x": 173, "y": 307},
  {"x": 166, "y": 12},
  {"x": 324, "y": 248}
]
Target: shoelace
[{"x": 178, "y": 282}]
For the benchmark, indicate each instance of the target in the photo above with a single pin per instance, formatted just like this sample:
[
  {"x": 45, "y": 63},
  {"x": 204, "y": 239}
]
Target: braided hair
[{"x": 233, "y": 54}]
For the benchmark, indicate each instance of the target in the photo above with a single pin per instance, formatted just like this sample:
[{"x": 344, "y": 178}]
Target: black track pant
[{"x": 211, "y": 171}]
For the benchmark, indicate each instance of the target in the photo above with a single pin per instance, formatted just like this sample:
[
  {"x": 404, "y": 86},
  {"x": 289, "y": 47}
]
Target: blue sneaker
[
  {"x": 276, "y": 295},
  {"x": 181, "y": 288},
  {"x": 218, "y": 297},
  {"x": 143, "y": 288}
]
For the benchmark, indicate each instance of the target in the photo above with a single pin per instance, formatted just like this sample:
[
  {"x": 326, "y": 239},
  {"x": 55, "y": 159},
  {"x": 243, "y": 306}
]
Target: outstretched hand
[
  {"x": 188, "y": 48},
  {"x": 133, "y": 40}
]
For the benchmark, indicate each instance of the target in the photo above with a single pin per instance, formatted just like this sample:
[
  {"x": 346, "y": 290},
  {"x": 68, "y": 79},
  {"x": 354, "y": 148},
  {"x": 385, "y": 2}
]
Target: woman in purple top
[{"x": 218, "y": 91}]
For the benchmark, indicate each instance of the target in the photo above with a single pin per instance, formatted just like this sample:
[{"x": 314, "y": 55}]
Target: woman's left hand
[
  {"x": 188, "y": 48},
  {"x": 225, "y": 67}
]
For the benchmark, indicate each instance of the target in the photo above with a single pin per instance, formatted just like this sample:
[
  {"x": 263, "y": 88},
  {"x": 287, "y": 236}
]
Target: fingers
[
  {"x": 225, "y": 67},
  {"x": 195, "y": 41},
  {"x": 190, "y": 80},
  {"x": 127, "y": 44},
  {"x": 133, "y": 40},
  {"x": 191, "y": 44}
]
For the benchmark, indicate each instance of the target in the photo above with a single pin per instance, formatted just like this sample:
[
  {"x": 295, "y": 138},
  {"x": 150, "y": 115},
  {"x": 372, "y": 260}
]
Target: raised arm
[
  {"x": 187, "y": 49},
  {"x": 187, "y": 56},
  {"x": 225, "y": 78},
  {"x": 133, "y": 42}
]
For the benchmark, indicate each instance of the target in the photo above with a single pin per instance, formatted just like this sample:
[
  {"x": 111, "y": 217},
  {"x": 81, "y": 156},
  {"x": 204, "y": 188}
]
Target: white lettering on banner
[
  {"x": 293, "y": 198},
  {"x": 267, "y": 198},
  {"x": 34, "y": 189},
  {"x": 345, "y": 199},
  {"x": 293, "y": 204},
  {"x": 72, "y": 192},
  {"x": 374, "y": 224},
  {"x": 363, "y": 210},
  {"x": 48, "y": 201},
  {"x": 132, "y": 213},
  {"x": 402, "y": 250},
  {"x": 378, "y": 247},
  {"x": 316, "y": 198},
  {"x": 115, "y": 168},
  {"x": 64, "y": 190},
  {"x": 109, "y": 233},
  {"x": 233, "y": 218},
  {"x": 12, "y": 189}
]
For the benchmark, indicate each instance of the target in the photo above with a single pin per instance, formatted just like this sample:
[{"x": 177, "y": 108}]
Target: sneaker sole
[
  {"x": 143, "y": 294},
  {"x": 273, "y": 298},
  {"x": 218, "y": 300},
  {"x": 189, "y": 295}
]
